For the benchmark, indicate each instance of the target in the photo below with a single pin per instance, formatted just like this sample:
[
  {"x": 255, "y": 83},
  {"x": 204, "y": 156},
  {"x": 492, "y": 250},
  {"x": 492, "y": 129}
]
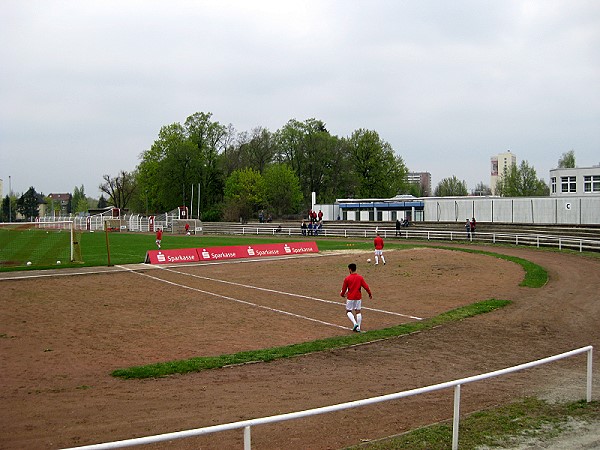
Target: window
[
  {"x": 553, "y": 184},
  {"x": 568, "y": 184},
  {"x": 591, "y": 183}
]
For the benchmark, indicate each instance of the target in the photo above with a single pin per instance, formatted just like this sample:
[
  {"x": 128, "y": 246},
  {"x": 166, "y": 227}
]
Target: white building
[
  {"x": 576, "y": 181},
  {"x": 501, "y": 164}
]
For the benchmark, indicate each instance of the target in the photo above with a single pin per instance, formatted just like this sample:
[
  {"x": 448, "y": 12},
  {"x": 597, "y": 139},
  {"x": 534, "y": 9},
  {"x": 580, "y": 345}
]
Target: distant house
[{"x": 60, "y": 203}]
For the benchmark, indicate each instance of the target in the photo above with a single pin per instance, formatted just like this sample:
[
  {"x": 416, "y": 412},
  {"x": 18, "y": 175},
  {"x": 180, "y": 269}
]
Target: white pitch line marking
[
  {"x": 237, "y": 300},
  {"x": 288, "y": 293}
]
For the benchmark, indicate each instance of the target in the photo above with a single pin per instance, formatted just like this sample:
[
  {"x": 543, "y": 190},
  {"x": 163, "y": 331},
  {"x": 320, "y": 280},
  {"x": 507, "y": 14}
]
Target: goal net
[{"x": 38, "y": 244}]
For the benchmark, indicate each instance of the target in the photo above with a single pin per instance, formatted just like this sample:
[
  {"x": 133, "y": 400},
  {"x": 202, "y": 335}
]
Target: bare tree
[{"x": 120, "y": 189}]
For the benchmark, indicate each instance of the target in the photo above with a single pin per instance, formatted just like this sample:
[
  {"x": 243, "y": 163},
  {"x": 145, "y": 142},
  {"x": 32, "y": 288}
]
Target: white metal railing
[
  {"x": 526, "y": 239},
  {"x": 247, "y": 424}
]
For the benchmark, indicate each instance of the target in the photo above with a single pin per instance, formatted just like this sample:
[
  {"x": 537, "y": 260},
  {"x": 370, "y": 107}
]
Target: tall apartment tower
[
  {"x": 423, "y": 179},
  {"x": 501, "y": 163}
]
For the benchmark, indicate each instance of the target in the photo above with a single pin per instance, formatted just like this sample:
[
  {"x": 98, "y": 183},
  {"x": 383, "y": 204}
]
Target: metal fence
[
  {"x": 527, "y": 239},
  {"x": 456, "y": 384}
]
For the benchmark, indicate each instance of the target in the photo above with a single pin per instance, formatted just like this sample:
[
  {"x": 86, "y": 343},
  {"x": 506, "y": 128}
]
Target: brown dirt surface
[{"x": 62, "y": 336}]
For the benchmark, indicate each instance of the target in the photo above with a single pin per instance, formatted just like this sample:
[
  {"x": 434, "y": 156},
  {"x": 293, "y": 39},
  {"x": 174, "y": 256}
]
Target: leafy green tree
[
  {"x": 282, "y": 189},
  {"x": 169, "y": 169},
  {"x": 414, "y": 189},
  {"x": 28, "y": 204},
  {"x": 183, "y": 157},
  {"x": 79, "y": 200},
  {"x": 210, "y": 139},
  {"x": 379, "y": 172},
  {"x": 521, "y": 181},
  {"x": 451, "y": 187},
  {"x": 9, "y": 209},
  {"x": 245, "y": 194},
  {"x": 567, "y": 160},
  {"x": 320, "y": 160},
  {"x": 102, "y": 203}
]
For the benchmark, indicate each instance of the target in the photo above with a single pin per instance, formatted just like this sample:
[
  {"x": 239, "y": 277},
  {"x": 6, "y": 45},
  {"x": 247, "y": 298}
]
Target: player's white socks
[
  {"x": 351, "y": 317},
  {"x": 376, "y": 259},
  {"x": 359, "y": 319},
  {"x": 382, "y": 259}
]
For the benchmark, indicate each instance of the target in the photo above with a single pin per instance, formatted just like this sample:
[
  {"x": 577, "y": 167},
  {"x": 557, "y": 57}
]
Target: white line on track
[
  {"x": 235, "y": 299},
  {"x": 288, "y": 293}
]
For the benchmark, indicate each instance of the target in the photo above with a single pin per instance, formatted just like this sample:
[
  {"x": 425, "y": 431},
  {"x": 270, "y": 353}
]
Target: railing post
[
  {"x": 247, "y": 438},
  {"x": 456, "y": 418},
  {"x": 589, "y": 375}
]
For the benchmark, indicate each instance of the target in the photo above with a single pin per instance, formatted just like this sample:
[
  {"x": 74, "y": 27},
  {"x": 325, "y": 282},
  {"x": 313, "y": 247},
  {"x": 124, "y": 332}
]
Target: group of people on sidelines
[{"x": 312, "y": 229}]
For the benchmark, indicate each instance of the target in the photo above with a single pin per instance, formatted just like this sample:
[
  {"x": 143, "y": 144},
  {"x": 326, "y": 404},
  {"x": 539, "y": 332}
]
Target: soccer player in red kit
[
  {"x": 351, "y": 289},
  {"x": 158, "y": 237},
  {"x": 378, "y": 243}
]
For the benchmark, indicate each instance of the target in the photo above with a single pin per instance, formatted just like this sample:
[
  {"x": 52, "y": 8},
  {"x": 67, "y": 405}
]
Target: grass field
[{"x": 124, "y": 248}]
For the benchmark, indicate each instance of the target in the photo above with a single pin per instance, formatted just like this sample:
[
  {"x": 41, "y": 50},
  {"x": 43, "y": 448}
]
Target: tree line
[
  {"x": 228, "y": 175},
  {"x": 231, "y": 175}
]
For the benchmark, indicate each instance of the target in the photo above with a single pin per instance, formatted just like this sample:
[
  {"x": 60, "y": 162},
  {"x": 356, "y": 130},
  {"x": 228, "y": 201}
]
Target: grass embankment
[
  {"x": 535, "y": 276},
  {"x": 530, "y": 420}
]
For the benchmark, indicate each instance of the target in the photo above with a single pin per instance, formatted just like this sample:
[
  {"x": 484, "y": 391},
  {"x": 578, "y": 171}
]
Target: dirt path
[{"x": 58, "y": 350}]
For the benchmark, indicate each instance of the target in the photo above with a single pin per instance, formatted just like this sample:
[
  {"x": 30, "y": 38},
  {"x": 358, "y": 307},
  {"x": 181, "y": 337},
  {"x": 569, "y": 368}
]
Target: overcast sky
[{"x": 85, "y": 86}]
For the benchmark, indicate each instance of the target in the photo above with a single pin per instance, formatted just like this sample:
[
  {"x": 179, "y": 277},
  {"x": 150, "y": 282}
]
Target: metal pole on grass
[{"x": 107, "y": 244}]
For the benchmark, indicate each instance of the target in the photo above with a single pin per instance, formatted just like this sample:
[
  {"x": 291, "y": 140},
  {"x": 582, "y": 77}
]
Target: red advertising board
[
  {"x": 256, "y": 250},
  {"x": 181, "y": 255},
  {"x": 230, "y": 252}
]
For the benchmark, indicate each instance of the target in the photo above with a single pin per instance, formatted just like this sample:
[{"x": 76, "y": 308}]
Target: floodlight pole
[{"x": 9, "y": 200}]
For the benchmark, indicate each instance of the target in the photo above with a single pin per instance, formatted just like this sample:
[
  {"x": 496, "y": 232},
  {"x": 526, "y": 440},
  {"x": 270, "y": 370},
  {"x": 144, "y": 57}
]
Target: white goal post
[{"x": 40, "y": 243}]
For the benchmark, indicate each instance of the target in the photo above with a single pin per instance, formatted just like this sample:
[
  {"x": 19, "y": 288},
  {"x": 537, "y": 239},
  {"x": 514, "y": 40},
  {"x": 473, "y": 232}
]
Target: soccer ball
[
  {"x": 57, "y": 262},
  {"x": 28, "y": 263},
  {"x": 369, "y": 260}
]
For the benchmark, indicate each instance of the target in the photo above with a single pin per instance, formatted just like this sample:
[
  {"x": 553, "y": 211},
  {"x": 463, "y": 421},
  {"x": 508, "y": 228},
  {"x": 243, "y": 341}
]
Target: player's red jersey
[
  {"x": 378, "y": 242},
  {"x": 352, "y": 285}
]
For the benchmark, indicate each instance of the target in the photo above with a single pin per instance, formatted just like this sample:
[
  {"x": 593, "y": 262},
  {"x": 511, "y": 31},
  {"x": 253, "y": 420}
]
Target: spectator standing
[
  {"x": 398, "y": 225},
  {"x": 473, "y": 223},
  {"x": 468, "y": 228}
]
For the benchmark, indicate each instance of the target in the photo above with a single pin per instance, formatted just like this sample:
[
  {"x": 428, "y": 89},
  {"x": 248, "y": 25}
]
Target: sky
[{"x": 85, "y": 86}]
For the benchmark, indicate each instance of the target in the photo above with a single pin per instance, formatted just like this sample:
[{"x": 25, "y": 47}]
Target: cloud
[{"x": 86, "y": 86}]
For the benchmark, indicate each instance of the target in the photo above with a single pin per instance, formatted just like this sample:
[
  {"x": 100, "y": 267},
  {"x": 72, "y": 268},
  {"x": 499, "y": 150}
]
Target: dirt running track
[{"x": 60, "y": 337}]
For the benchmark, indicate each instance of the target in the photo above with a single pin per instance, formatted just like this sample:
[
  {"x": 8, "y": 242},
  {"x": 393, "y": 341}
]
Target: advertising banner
[
  {"x": 256, "y": 250},
  {"x": 230, "y": 252},
  {"x": 182, "y": 255}
]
